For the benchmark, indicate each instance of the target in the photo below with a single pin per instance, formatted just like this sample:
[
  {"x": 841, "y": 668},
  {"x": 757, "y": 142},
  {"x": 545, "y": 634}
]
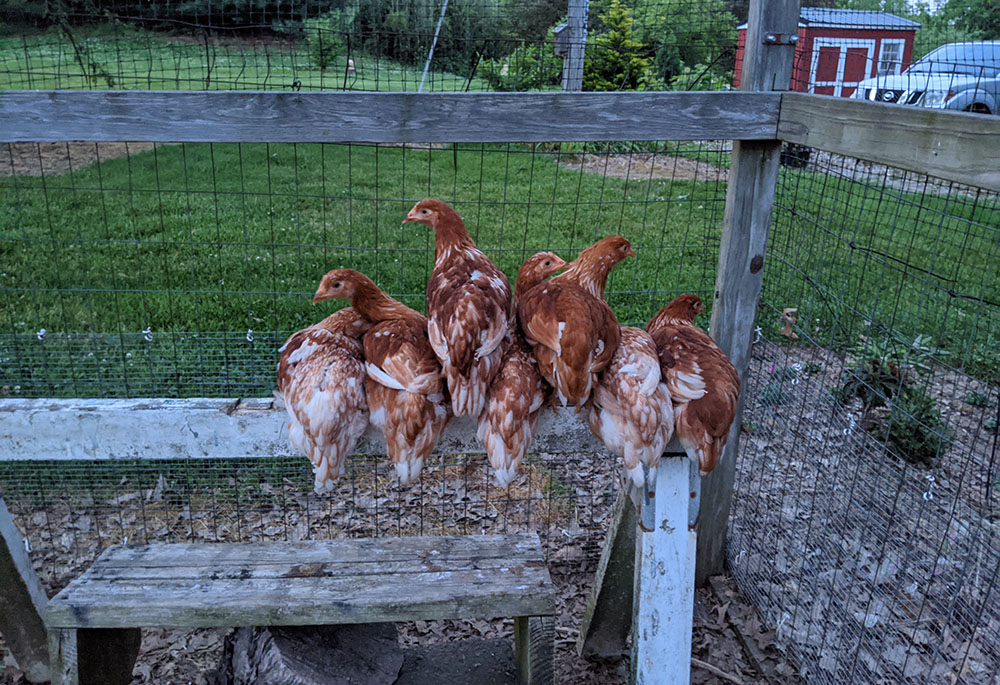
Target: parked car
[{"x": 958, "y": 76}]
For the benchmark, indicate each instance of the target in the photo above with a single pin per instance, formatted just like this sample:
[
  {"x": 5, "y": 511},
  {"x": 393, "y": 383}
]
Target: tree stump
[{"x": 363, "y": 654}]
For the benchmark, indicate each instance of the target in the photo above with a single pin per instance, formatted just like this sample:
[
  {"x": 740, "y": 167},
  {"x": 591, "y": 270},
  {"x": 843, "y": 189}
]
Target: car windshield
[{"x": 973, "y": 59}]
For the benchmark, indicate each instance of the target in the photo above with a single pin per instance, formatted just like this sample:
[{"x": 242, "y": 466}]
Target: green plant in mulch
[
  {"x": 916, "y": 432},
  {"x": 979, "y": 399}
]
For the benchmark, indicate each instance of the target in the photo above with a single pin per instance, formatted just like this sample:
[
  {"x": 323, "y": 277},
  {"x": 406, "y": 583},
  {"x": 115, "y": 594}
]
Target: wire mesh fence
[
  {"x": 865, "y": 522},
  {"x": 179, "y": 270}
]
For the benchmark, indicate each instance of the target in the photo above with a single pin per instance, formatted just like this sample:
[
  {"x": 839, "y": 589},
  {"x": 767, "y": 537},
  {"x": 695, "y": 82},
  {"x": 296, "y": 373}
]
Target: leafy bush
[
  {"x": 616, "y": 58},
  {"x": 990, "y": 425},
  {"x": 978, "y": 399},
  {"x": 702, "y": 77},
  {"x": 916, "y": 431},
  {"x": 883, "y": 367},
  {"x": 772, "y": 395},
  {"x": 531, "y": 66},
  {"x": 324, "y": 38}
]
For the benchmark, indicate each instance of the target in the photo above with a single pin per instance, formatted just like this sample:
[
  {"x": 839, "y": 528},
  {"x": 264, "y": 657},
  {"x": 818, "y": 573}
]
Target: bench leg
[
  {"x": 64, "y": 669},
  {"x": 534, "y": 641},
  {"x": 93, "y": 656}
]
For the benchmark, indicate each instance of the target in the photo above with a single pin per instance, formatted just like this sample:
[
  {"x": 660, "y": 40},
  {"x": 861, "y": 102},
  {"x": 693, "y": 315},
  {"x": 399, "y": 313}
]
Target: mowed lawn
[
  {"x": 121, "y": 57},
  {"x": 205, "y": 238},
  {"x": 191, "y": 240}
]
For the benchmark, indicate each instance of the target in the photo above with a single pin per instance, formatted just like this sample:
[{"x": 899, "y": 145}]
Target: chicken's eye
[
  {"x": 425, "y": 211},
  {"x": 546, "y": 263},
  {"x": 336, "y": 285}
]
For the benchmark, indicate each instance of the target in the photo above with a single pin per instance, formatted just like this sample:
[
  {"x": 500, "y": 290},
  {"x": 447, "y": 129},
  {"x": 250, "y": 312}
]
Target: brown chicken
[
  {"x": 518, "y": 392},
  {"x": 572, "y": 331},
  {"x": 704, "y": 385},
  {"x": 405, "y": 388},
  {"x": 631, "y": 411},
  {"x": 468, "y": 302},
  {"x": 321, "y": 377}
]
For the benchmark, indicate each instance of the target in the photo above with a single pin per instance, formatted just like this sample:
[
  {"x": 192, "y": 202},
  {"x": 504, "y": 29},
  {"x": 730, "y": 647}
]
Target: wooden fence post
[
  {"x": 772, "y": 34},
  {"x": 576, "y": 24},
  {"x": 22, "y": 603}
]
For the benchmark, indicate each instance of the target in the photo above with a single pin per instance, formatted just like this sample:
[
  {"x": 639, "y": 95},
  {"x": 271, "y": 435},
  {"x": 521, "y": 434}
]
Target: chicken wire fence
[
  {"x": 465, "y": 45},
  {"x": 865, "y": 522},
  {"x": 134, "y": 270}
]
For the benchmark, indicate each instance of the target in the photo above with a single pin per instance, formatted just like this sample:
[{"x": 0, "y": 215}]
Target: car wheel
[{"x": 978, "y": 108}]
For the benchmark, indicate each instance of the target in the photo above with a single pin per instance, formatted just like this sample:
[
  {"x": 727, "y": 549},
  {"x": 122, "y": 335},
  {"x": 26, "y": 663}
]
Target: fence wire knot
[
  {"x": 147, "y": 334},
  {"x": 27, "y": 545},
  {"x": 41, "y": 334},
  {"x": 758, "y": 333},
  {"x": 249, "y": 335},
  {"x": 929, "y": 495}
]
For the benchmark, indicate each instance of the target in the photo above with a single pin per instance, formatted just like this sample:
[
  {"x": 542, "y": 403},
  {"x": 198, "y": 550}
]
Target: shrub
[
  {"x": 978, "y": 399},
  {"x": 616, "y": 60},
  {"x": 531, "y": 66},
  {"x": 323, "y": 35},
  {"x": 883, "y": 367},
  {"x": 916, "y": 431},
  {"x": 701, "y": 77},
  {"x": 990, "y": 425}
]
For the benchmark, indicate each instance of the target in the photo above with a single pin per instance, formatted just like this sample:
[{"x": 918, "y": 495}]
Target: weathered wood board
[
  {"x": 607, "y": 618},
  {"x": 955, "y": 146},
  {"x": 315, "y": 583},
  {"x": 753, "y": 176},
  {"x": 215, "y": 428},
  {"x": 255, "y": 116},
  {"x": 22, "y": 603}
]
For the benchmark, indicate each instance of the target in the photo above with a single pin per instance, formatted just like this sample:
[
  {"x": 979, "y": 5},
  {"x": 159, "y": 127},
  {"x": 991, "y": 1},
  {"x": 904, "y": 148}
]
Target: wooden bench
[{"x": 304, "y": 583}]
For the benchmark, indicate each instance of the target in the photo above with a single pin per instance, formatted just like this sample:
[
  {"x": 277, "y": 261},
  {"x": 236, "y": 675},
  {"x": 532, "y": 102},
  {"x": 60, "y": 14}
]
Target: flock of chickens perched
[{"x": 501, "y": 358}]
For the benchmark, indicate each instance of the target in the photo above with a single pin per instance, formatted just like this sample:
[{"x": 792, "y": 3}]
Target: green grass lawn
[
  {"x": 191, "y": 240},
  {"x": 117, "y": 56},
  {"x": 200, "y": 243}
]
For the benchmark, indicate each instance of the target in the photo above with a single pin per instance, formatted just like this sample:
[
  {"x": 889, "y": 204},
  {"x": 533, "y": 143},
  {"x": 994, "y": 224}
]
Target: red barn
[{"x": 839, "y": 48}]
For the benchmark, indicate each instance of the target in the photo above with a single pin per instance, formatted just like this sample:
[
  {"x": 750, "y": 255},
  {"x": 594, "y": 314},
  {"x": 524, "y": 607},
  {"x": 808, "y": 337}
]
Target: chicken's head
[
  {"x": 431, "y": 212},
  {"x": 536, "y": 269},
  {"x": 339, "y": 283},
  {"x": 683, "y": 308}
]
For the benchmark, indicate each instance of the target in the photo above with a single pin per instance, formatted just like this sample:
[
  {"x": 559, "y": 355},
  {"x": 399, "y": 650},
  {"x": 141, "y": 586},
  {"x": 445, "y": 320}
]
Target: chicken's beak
[
  {"x": 411, "y": 217},
  {"x": 630, "y": 252},
  {"x": 321, "y": 294}
]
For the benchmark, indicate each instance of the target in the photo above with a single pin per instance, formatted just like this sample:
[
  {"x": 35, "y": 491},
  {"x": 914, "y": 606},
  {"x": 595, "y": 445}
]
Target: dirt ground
[
  {"x": 646, "y": 165},
  {"x": 55, "y": 159}
]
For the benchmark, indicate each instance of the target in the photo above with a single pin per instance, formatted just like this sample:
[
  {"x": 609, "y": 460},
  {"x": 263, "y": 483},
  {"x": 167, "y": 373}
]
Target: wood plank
[
  {"x": 956, "y": 146},
  {"x": 47, "y": 429},
  {"x": 303, "y": 601},
  {"x": 664, "y": 575},
  {"x": 22, "y": 603},
  {"x": 607, "y": 618},
  {"x": 523, "y": 546},
  {"x": 253, "y": 116},
  {"x": 753, "y": 176},
  {"x": 534, "y": 643},
  {"x": 65, "y": 667}
]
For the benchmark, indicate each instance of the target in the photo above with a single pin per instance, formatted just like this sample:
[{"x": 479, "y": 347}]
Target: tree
[
  {"x": 617, "y": 60},
  {"x": 980, "y": 19}
]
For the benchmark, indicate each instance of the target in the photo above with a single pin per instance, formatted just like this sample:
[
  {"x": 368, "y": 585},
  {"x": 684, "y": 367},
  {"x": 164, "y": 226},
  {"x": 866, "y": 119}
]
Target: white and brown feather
[
  {"x": 321, "y": 376},
  {"x": 403, "y": 382},
  {"x": 703, "y": 383},
  {"x": 518, "y": 392},
  {"x": 631, "y": 410},
  {"x": 468, "y": 304}
]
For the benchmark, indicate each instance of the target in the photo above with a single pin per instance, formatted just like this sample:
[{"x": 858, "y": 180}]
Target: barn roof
[{"x": 853, "y": 19}]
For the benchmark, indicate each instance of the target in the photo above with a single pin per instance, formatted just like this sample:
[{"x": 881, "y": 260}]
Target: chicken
[
  {"x": 518, "y": 392},
  {"x": 403, "y": 382},
  {"x": 468, "y": 302},
  {"x": 704, "y": 385},
  {"x": 630, "y": 410},
  {"x": 321, "y": 377},
  {"x": 572, "y": 331}
]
